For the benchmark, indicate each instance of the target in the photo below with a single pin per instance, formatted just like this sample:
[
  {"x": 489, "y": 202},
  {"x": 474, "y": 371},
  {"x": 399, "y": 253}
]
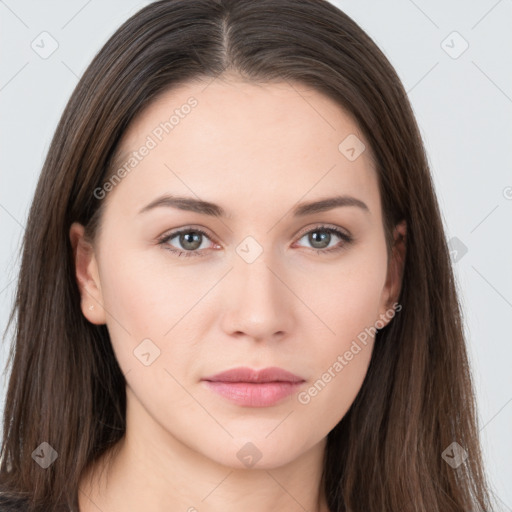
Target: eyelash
[{"x": 347, "y": 239}]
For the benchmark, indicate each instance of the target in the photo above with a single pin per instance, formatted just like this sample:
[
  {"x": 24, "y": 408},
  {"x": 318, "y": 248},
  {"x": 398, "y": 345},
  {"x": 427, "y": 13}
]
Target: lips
[
  {"x": 254, "y": 388},
  {"x": 243, "y": 374}
]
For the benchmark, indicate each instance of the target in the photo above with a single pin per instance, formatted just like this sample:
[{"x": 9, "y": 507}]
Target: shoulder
[
  {"x": 15, "y": 502},
  {"x": 9, "y": 502},
  {"x": 12, "y": 505}
]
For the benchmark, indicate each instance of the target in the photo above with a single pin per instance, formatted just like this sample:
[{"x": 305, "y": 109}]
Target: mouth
[{"x": 254, "y": 388}]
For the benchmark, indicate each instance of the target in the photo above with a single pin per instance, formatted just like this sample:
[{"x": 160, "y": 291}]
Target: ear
[
  {"x": 87, "y": 275},
  {"x": 393, "y": 285}
]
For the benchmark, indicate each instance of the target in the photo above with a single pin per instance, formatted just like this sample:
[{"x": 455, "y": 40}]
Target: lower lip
[{"x": 248, "y": 394}]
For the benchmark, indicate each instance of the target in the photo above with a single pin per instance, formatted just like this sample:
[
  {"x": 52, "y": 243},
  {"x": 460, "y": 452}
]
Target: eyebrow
[{"x": 214, "y": 210}]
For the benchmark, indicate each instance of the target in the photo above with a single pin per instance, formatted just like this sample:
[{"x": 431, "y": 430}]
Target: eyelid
[
  {"x": 322, "y": 225},
  {"x": 170, "y": 233}
]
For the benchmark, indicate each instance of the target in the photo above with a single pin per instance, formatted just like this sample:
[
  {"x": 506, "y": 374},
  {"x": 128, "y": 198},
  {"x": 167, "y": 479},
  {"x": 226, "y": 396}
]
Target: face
[{"x": 190, "y": 290}]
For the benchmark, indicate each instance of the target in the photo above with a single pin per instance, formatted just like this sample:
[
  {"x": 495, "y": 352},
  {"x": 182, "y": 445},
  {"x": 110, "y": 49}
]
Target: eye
[
  {"x": 190, "y": 240},
  {"x": 321, "y": 237}
]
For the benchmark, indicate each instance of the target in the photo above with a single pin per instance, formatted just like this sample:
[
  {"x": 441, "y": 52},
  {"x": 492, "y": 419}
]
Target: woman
[{"x": 235, "y": 289}]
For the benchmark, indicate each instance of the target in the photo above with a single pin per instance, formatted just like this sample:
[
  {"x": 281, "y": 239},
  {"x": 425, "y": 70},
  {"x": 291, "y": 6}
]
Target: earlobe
[
  {"x": 87, "y": 275},
  {"x": 393, "y": 284}
]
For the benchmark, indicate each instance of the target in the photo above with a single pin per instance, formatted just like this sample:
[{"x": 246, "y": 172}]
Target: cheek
[
  {"x": 343, "y": 353},
  {"x": 149, "y": 296},
  {"x": 340, "y": 361},
  {"x": 347, "y": 296},
  {"x": 132, "y": 295}
]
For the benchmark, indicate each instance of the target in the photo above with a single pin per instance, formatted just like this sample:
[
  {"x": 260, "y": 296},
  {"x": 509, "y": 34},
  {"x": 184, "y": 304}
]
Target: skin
[{"x": 256, "y": 150}]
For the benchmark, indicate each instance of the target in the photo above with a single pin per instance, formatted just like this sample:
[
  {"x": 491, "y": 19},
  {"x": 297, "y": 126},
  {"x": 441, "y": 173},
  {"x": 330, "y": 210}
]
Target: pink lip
[{"x": 254, "y": 388}]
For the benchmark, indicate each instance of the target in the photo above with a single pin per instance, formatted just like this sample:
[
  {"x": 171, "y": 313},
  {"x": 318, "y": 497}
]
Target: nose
[{"x": 259, "y": 303}]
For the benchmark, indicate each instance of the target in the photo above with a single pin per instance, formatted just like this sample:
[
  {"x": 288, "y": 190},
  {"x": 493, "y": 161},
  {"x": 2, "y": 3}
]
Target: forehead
[
  {"x": 245, "y": 111},
  {"x": 214, "y": 138}
]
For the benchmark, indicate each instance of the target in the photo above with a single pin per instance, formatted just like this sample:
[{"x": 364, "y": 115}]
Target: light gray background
[{"x": 463, "y": 106}]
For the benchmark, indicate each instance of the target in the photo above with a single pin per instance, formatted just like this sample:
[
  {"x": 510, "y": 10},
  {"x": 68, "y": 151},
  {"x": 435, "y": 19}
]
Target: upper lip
[{"x": 243, "y": 374}]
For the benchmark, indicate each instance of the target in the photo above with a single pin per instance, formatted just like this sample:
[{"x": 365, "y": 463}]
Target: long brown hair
[{"x": 66, "y": 387}]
